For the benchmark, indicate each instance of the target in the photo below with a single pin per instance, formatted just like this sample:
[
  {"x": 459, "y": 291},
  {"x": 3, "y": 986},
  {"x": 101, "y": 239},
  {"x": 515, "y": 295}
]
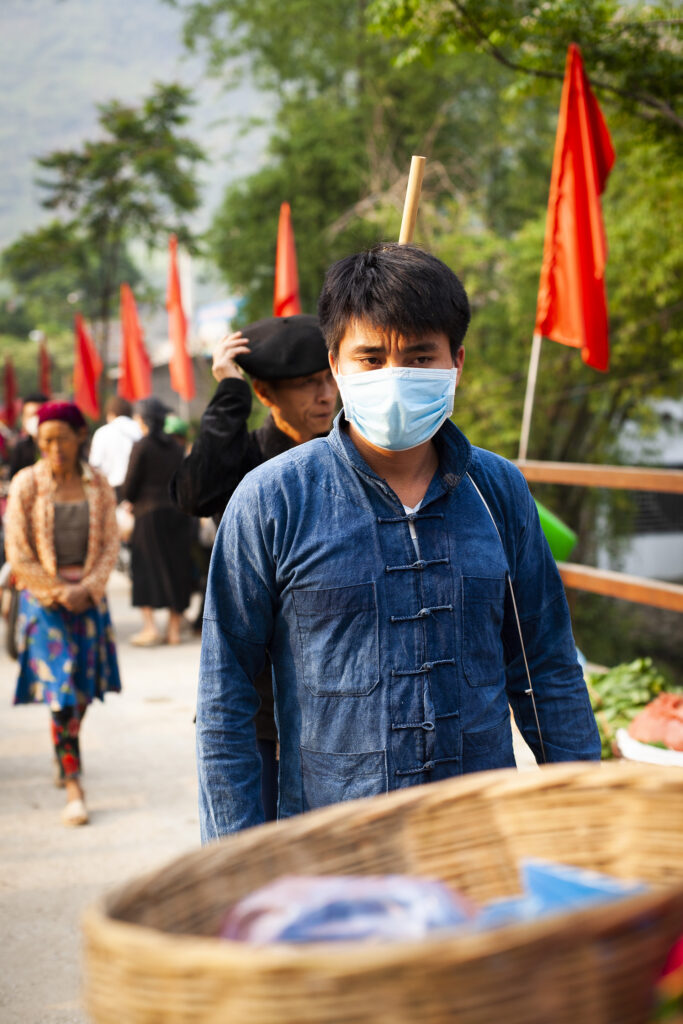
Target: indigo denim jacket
[{"x": 390, "y": 670}]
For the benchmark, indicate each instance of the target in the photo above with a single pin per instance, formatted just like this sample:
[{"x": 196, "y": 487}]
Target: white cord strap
[{"x": 530, "y": 691}]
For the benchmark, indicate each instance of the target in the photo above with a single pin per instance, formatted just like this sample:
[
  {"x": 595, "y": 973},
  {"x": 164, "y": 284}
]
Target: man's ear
[
  {"x": 460, "y": 361},
  {"x": 333, "y": 363},
  {"x": 264, "y": 392}
]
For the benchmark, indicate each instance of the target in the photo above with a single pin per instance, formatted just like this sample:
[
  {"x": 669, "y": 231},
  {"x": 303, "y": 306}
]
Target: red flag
[
  {"x": 44, "y": 382},
  {"x": 180, "y": 364},
  {"x": 572, "y": 303},
  {"x": 10, "y": 413},
  {"x": 286, "y": 298},
  {"x": 87, "y": 371},
  {"x": 135, "y": 371}
]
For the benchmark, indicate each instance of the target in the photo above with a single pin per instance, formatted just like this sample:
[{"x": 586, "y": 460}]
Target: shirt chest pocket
[
  {"x": 482, "y": 622},
  {"x": 338, "y": 639}
]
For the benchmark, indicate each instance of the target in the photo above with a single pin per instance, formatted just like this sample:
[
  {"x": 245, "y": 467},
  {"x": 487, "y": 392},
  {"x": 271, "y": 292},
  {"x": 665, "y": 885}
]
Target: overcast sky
[{"x": 59, "y": 58}]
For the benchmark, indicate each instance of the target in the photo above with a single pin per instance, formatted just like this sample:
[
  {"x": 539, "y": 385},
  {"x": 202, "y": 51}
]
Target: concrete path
[{"x": 140, "y": 783}]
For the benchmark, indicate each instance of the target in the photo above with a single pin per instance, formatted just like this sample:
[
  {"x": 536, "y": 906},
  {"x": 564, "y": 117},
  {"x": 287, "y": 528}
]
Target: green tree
[
  {"x": 136, "y": 181},
  {"x": 47, "y": 272},
  {"x": 475, "y": 87},
  {"x": 632, "y": 48},
  {"x": 340, "y": 146},
  {"x": 345, "y": 120},
  {"x": 25, "y": 360}
]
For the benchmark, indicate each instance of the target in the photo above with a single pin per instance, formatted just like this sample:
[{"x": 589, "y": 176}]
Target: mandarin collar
[{"x": 453, "y": 448}]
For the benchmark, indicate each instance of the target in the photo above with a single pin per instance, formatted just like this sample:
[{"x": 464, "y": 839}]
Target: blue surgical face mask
[{"x": 398, "y": 407}]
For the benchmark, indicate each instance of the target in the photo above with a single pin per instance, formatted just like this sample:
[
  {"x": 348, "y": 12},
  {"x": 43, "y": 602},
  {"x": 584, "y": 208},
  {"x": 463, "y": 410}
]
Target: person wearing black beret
[{"x": 287, "y": 360}]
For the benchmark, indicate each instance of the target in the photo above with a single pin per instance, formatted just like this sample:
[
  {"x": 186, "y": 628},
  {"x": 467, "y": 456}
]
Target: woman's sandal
[
  {"x": 145, "y": 639},
  {"x": 75, "y": 813}
]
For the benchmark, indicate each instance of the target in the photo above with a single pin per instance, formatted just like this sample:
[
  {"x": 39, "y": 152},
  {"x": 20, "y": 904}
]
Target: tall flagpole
[{"x": 529, "y": 396}]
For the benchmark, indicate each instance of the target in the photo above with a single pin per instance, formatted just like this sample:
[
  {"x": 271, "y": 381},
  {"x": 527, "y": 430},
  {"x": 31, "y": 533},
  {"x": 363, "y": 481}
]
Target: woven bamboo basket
[{"x": 150, "y": 956}]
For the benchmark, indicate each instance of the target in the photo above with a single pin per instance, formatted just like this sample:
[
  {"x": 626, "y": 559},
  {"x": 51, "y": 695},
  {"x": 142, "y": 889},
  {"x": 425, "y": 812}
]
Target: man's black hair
[
  {"x": 397, "y": 288},
  {"x": 37, "y": 397}
]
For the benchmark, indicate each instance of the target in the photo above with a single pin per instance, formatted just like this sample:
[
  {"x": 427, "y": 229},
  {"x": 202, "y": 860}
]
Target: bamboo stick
[{"x": 412, "y": 201}]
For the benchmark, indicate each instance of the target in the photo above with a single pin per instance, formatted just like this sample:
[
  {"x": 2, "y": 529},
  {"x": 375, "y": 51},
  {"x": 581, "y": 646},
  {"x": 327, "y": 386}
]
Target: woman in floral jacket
[{"x": 62, "y": 543}]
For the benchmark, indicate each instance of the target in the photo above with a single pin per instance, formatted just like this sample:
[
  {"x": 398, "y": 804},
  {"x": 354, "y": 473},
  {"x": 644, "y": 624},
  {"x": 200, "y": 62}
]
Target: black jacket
[
  {"x": 224, "y": 452},
  {"x": 23, "y": 454},
  {"x": 152, "y": 463},
  {"x": 222, "y": 455}
]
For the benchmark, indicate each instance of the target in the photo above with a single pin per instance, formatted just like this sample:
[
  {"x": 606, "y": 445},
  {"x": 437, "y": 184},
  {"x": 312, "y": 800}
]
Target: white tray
[{"x": 634, "y": 750}]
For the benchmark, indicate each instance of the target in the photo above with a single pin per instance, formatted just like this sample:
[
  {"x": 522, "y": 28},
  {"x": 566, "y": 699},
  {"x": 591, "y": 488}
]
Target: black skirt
[{"x": 161, "y": 562}]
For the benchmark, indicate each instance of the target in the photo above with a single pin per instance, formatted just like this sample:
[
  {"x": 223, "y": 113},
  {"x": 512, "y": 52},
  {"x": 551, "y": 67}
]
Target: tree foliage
[
  {"x": 52, "y": 269},
  {"x": 346, "y": 118},
  {"x": 349, "y": 107},
  {"x": 633, "y": 50},
  {"x": 136, "y": 181}
]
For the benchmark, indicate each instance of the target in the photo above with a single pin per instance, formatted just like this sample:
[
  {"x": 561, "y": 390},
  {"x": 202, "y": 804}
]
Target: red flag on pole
[
  {"x": 180, "y": 365},
  {"x": 10, "y": 416},
  {"x": 286, "y": 297},
  {"x": 44, "y": 368},
  {"x": 87, "y": 371},
  {"x": 135, "y": 371},
  {"x": 572, "y": 303}
]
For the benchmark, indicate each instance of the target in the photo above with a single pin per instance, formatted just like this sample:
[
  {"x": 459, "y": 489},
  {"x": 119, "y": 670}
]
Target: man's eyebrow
[
  {"x": 363, "y": 346},
  {"x": 423, "y": 345}
]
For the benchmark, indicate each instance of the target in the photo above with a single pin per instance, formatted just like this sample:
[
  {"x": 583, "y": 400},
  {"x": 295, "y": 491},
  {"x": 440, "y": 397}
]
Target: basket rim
[{"x": 181, "y": 951}]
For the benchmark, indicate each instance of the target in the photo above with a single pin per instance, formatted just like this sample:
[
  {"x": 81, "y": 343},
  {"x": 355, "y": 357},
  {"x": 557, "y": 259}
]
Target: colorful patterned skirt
[{"x": 65, "y": 657}]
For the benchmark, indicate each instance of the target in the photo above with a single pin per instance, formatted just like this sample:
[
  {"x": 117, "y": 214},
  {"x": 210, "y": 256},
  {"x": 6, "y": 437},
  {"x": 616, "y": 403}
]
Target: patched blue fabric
[
  {"x": 389, "y": 671},
  {"x": 65, "y": 657}
]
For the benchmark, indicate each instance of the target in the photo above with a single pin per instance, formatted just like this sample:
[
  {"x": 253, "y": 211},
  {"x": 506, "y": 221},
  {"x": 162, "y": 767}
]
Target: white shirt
[
  {"x": 111, "y": 447},
  {"x": 411, "y": 526}
]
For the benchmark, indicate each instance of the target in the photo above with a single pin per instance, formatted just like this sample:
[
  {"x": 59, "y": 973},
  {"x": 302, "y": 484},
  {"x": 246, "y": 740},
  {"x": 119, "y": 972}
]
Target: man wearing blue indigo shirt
[{"x": 397, "y": 575}]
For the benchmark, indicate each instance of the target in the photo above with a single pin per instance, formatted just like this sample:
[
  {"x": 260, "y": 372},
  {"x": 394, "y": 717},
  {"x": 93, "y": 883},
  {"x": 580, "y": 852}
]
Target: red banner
[
  {"x": 135, "y": 371},
  {"x": 180, "y": 364},
  {"x": 10, "y": 411},
  {"x": 286, "y": 296},
  {"x": 572, "y": 302},
  {"x": 87, "y": 371}
]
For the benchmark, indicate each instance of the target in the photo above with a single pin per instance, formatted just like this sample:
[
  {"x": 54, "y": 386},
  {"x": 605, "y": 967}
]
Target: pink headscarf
[{"x": 66, "y": 412}]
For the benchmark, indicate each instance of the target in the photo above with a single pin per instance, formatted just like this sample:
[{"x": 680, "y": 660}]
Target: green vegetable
[{"x": 618, "y": 694}]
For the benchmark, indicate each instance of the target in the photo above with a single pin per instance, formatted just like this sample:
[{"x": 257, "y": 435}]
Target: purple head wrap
[{"x": 66, "y": 412}]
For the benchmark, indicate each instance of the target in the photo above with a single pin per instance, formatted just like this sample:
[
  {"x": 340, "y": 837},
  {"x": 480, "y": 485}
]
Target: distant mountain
[{"x": 60, "y": 58}]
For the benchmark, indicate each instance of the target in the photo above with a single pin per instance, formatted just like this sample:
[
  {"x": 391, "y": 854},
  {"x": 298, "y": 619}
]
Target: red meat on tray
[{"x": 660, "y": 721}]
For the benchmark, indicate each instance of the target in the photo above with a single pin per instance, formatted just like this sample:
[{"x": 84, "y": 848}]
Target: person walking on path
[
  {"x": 161, "y": 561},
  {"x": 112, "y": 444},
  {"x": 62, "y": 545},
  {"x": 287, "y": 360},
  {"x": 25, "y": 451},
  {"x": 397, "y": 575}
]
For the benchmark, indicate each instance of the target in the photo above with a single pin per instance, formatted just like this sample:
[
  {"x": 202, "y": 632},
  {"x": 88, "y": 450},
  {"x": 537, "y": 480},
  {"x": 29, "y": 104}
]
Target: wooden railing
[{"x": 603, "y": 581}]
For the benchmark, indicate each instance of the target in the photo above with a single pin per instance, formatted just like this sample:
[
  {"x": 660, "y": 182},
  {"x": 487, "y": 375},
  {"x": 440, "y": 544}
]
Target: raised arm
[{"x": 208, "y": 476}]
